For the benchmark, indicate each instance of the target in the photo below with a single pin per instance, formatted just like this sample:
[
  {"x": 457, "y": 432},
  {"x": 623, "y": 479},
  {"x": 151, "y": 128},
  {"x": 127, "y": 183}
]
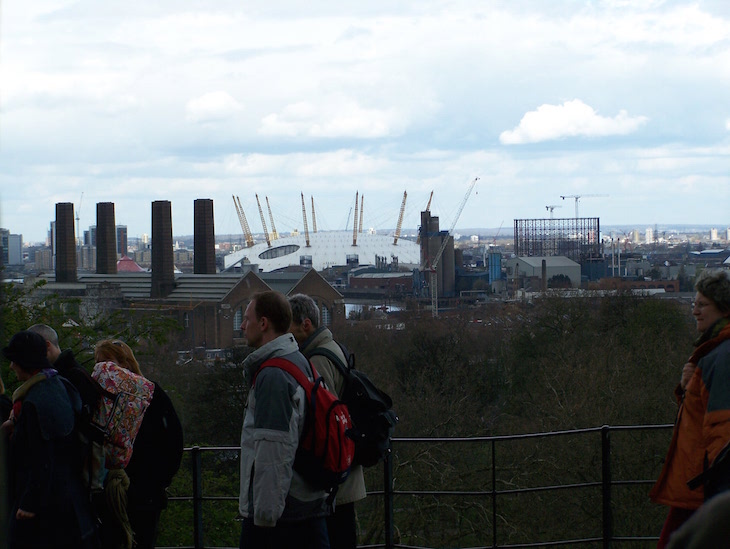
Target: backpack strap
[
  {"x": 290, "y": 368},
  {"x": 333, "y": 358}
]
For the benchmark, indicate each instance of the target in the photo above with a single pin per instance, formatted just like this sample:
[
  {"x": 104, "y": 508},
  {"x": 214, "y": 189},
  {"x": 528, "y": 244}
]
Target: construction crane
[
  {"x": 244, "y": 223},
  {"x": 578, "y": 197},
  {"x": 274, "y": 234},
  {"x": 494, "y": 240},
  {"x": 314, "y": 218},
  {"x": 434, "y": 264},
  {"x": 354, "y": 225},
  {"x": 551, "y": 208},
  {"x": 263, "y": 222},
  {"x": 400, "y": 218},
  {"x": 304, "y": 218}
]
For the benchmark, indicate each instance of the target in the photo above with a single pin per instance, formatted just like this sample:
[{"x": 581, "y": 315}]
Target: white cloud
[
  {"x": 332, "y": 118},
  {"x": 211, "y": 107},
  {"x": 727, "y": 124},
  {"x": 571, "y": 119}
]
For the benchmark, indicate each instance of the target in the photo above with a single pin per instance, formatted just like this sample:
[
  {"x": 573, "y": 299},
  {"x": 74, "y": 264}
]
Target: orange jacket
[{"x": 702, "y": 427}]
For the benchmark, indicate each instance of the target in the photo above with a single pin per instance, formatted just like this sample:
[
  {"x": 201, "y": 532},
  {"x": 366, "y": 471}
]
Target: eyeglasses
[{"x": 701, "y": 304}]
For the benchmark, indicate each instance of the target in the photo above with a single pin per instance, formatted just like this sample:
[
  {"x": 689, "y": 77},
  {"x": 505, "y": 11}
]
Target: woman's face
[{"x": 705, "y": 312}]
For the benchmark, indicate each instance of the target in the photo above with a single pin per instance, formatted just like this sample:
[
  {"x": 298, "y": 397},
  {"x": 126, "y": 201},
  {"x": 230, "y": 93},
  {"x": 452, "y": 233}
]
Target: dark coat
[
  {"x": 88, "y": 388},
  {"x": 46, "y": 461},
  {"x": 157, "y": 451}
]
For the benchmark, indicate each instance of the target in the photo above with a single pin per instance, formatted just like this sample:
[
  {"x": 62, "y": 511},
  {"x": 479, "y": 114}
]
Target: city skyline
[{"x": 621, "y": 103}]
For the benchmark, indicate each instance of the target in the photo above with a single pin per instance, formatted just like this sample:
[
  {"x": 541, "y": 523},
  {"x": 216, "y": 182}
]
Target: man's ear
[
  {"x": 264, "y": 323},
  {"x": 307, "y": 325}
]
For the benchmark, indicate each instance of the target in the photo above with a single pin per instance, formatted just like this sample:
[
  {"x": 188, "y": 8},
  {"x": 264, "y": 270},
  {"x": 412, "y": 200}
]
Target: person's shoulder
[{"x": 66, "y": 360}]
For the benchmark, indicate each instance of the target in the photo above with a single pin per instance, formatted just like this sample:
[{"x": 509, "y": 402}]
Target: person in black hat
[{"x": 49, "y": 507}]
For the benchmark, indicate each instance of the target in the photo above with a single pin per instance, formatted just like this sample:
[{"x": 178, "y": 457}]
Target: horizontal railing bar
[
  {"x": 483, "y": 438},
  {"x": 491, "y": 493}
]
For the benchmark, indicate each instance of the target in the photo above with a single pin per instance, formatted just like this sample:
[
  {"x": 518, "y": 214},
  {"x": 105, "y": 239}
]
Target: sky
[{"x": 623, "y": 103}]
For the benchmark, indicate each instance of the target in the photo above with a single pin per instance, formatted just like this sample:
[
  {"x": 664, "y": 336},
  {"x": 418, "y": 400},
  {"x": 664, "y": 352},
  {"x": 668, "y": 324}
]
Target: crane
[
  {"x": 400, "y": 218},
  {"x": 434, "y": 264},
  {"x": 274, "y": 234},
  {"x": 244, "y": 223},
  {"x": 552, "y": 207},
  {"x": 494, "y": 240},
  {"x": 578, "y": 197},
  {"x": 263, "y": 222}
]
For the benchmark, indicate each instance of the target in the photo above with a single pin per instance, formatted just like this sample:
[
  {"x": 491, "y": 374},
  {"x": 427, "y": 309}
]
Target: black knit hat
[{"x": 28, "y": 351}]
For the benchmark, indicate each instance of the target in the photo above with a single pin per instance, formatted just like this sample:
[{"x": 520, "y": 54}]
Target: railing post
[
  {"x": 197, "y": 467},
  {"x": 606, "y": 486},
  {"x": 494, "y": 494},
  {"x": 388, "y": 497}
]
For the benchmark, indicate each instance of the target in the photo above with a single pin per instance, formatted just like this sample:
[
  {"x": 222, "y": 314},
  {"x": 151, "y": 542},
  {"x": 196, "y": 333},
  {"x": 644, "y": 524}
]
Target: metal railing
[{"x": 599, "y": 464}]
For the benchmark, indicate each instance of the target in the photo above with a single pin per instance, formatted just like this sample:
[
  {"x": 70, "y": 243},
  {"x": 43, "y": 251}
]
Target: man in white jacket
[{"x": 279, "y": 508}]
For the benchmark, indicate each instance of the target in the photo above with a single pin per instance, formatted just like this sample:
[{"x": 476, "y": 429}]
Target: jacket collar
[{"x": 281, "y": 346}]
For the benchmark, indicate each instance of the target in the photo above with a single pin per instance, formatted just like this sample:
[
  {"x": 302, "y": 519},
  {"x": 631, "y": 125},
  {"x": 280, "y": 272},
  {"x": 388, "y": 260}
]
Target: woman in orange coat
[{"x": 702, "y": 427}]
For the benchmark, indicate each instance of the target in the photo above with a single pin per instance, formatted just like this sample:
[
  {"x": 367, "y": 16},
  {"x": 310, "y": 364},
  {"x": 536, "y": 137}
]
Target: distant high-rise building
[
  {"x": 713, "y": 235},
  {"x": 4, "y": 246},
  {"x": 52, "y": 240},
  {"x": 15, "y": 249},
  {"x": 44, "y": 259},
  {"x": 649, "y": 235},
  {"x": 92, "y": 235},
  {"x": 635, "y": 236},
  {"x": 727, "y": 234},
  {"x": 121, "y": 240}
]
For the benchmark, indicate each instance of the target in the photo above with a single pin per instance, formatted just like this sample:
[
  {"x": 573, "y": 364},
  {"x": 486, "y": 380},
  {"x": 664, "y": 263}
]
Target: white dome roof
[{"x": 327, "y": 249}]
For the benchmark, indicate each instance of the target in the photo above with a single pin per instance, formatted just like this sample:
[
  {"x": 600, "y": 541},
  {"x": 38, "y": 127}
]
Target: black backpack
[{"x": 370, "y": 408}]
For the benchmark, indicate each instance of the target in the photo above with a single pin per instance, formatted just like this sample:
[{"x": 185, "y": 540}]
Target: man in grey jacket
[
  {"x": 279, "y": 508},
  {"x": 342, "y": 525}
]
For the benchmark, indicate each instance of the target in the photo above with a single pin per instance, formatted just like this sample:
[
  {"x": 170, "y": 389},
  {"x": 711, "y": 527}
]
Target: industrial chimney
[
  {"x": 106, "y": 239},
  {"x": 163, "y": 269},
  {"x": 204, "y": 238},
  {"x": 65, "y": 243}
]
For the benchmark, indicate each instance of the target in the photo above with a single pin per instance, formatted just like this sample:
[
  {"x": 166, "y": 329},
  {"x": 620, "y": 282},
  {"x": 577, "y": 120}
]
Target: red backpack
[{"x": 326, "y": 450}]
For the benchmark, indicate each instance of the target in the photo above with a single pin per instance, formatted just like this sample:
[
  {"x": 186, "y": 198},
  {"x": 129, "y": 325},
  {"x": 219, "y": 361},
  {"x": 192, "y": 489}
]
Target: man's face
[{"x": 251, "y": 326}]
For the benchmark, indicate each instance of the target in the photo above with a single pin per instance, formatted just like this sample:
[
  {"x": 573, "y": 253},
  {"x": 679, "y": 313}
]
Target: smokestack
[
  {"x": 204, "y": 239},
  {"x": 163, "y": 269},
  {"x": 106, "y": 239},
  {"x": 65, "y": 243}
]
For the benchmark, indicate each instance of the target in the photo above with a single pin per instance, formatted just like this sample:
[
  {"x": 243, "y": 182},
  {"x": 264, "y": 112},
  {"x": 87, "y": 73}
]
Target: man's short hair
[
  {"x": 303, "y": 307},
  {"x": 275, "y": 307},
  {"x": 46, "y": 332}
]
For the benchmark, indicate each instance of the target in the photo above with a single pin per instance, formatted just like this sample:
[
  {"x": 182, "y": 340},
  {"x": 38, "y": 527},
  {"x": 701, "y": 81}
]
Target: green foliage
[{"x": 21, "y": 307}]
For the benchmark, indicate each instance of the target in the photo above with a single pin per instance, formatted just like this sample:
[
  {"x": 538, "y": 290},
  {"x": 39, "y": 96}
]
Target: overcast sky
[{"x": 625, "y": 103}]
